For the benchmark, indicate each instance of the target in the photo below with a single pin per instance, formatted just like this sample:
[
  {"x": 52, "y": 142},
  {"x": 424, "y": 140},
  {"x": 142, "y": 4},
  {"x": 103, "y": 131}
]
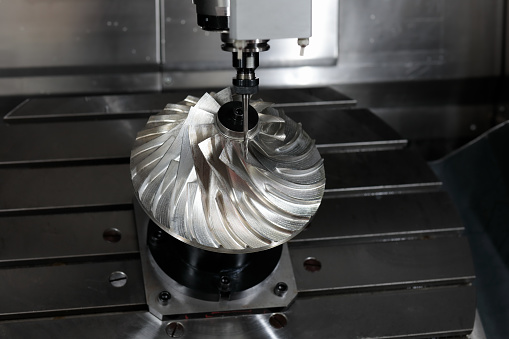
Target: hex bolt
[
  {"x": 164, "y": 297},
  {"x": 175, "y": 330},
  {"x": 280, "y": 289}
]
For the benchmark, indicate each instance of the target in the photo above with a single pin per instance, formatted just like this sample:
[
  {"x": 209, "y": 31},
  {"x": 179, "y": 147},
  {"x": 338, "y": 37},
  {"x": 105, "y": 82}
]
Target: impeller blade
[{"x": 193, "y": 179}]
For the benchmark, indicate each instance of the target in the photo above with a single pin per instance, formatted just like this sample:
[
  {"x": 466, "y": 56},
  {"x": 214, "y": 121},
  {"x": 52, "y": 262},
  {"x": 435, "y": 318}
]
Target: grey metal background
[
  {"x": 70, "y": 46},
  {"x": 113, "y": 46},
  {"x": 388, "y": 40}
]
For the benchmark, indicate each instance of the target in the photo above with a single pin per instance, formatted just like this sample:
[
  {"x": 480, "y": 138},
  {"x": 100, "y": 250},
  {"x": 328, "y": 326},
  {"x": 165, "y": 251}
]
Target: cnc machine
[{"x": 251, "y": 211}]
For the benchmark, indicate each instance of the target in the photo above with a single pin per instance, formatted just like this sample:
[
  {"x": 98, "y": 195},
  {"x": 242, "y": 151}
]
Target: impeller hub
[{"x": 230, "y": 120}]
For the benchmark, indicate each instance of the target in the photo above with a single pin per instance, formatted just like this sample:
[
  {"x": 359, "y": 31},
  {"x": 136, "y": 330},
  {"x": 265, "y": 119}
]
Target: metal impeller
[{"x": 193, "y": 178}]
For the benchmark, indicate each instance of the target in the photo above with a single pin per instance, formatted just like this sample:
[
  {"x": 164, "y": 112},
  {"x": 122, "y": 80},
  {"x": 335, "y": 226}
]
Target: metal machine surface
[{"x": 384, "y": 256}]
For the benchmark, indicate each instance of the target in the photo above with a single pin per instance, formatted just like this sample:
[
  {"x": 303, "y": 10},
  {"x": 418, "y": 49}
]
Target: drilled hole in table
[
  {"x": 112, "y": 235},
  {"x": 312, "y": 264}
]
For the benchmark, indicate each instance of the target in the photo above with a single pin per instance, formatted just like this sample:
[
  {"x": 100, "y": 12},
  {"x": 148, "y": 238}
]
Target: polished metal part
[
  {"x": 232, "y": 45},
  {"x": 200, "y": 185}
]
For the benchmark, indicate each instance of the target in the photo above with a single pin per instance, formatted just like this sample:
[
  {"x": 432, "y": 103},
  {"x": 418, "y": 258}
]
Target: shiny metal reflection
[{"x": 196, "y": 183}]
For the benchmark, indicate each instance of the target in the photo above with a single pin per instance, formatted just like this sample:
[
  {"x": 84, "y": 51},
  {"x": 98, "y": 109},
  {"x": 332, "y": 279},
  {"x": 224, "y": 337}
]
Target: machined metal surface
[
  {"x": 69, "y": 187},
  {"x": 337, "y": 316},
  {"x": 68, "y": 237},
  {"x": 419, "y": 215},
  {"x": 419, "y": 265},
  {"x": 383, "y": 257},
  {"x": 198, "y": 180},
  {"x": 37, "y": 291}
]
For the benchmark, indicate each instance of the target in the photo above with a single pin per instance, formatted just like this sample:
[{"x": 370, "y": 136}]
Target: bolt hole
[
  {"x": 312, "y": 265},
  {"x": 278, "y": 320},
  {"x": 112, "y": 235},
  {"x": 239, "y": 112},
  {"x": 118, "y": 279}
]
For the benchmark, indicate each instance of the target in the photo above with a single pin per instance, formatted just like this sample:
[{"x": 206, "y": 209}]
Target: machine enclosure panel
[{"x": 285, "y": 19}]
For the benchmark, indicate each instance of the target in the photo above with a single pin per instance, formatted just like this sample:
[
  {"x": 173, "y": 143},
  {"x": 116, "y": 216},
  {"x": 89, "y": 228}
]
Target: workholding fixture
[{"x": 223, "y": 213}]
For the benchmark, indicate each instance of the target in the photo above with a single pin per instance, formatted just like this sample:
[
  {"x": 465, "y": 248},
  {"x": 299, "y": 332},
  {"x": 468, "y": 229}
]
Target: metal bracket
[{"x": 267, "y": 295}]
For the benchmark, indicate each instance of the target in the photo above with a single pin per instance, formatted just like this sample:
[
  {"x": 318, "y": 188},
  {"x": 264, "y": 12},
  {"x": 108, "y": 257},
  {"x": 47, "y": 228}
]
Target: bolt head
[
  {"x": 164, "y": 297},
  {"x": 280, "y": 289},
  {"x": 175, "y": 329},
  {"x": 225, "y": 280},
  {"x": 118, "y": 279}
]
